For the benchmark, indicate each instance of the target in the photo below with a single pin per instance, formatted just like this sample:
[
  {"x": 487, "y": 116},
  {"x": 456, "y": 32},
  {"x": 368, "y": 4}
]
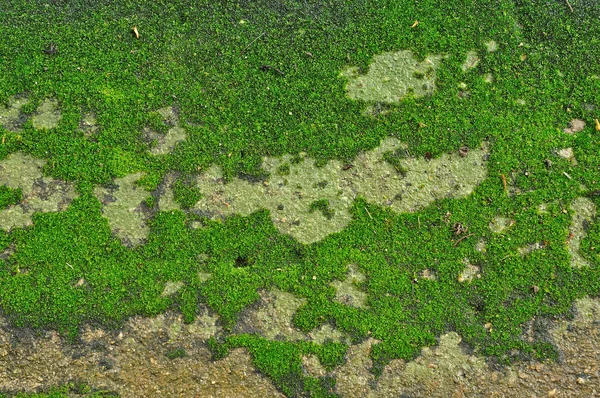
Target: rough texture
[
  {"x": 347, "y": 291},
  {"x": 293, "y": 187},
  {"x": 39, "y": 193},
  {"x": 165, "y": 143},
  {"x": 392, "y": 76},
  {"x": 271, "y": 317},
  {"x": 584, "y": 211},
  {"x": 10, "y": 116},
  {"x": 132, "y": 363},
  {"x": 448, "y": 370},
  {"x": 47, "y": 115},
  {"x": 122, "y": 205}
]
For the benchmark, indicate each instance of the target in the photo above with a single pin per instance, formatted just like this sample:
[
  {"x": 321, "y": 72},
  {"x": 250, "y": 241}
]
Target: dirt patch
[{"x": 139, "y": 361}]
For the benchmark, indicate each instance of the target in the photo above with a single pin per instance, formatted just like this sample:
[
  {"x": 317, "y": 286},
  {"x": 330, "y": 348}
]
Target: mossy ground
[{"x": 263, "y": 79}]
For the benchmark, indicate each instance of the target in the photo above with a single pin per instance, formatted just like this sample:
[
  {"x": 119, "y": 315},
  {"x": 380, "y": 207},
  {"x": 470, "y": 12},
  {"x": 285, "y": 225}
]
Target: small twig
[
  {"x": 569, "y": 4},
  {"x": 252, "y": 42},
  {"x": 571, "y": 236},
  {"x": 274, "y": 69},
  {"x": 461, "y": 239},
  {"x": 503, "y": 181},
  {"x": 367, "y": 210},
  {"x": 568, "y": 176},
  {"x": 225, "y": 203},
  {"x": 419, "y": 221}
]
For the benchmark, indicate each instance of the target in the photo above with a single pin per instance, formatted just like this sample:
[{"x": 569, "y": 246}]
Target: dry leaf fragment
[
  {"x": 414, "y": 24},
  {"x": 535, "y": 289},
  {"x": 135, "y": 32},
  {"x": 597, "y": 124}
]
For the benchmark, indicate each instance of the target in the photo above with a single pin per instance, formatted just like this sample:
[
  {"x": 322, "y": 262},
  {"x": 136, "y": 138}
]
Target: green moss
[
  {"x": 322, "y": 206},
  {"x": 177, "y": 353},
  {"x": 9, "y": 196},
  {"x": 235, "y": 115},
  {"x": 185, "y": 193}
]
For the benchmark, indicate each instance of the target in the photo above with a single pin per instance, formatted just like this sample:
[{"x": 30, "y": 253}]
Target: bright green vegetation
[{"x": 201, "y": 58}]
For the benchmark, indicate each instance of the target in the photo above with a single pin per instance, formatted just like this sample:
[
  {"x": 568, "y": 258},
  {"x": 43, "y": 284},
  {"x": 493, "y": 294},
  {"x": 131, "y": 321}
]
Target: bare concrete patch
[
  {"x": 7, "y": 251},
  {"x": 290, "y": 197},
  {"x": 167, "y": 142},
  {"x": 574, "y": 126},
  {"x": 469, "y": 272},
  {"x": 448, "y": 370},
  {"x": 584, "y": 211},
  {"x": 471, "y": 61},
  {"x": 166, "y": 201},
  {"x": 47, "y": 115},
  {"x": 122, "y": 205},
  {"x": 567, "y": 153},
  {"x": 272, "y": 316},
  {"x": 436, "y": 371},
  {"x": 530, "y": 248},
  {"x": 428, "y": 275},
  {"x": 171, "y": 288},
  {"x": 480, "y": 246},
  {"x": 89, "y": 125},
  {"x": 10, "y": 116},
  {"x": 327, "y": 333},
  {"x": 500, "y": 224},
  {"x": 348, "y": 292},
  {"x": 491, "y": 46},
  {"x": 40, "y": 193},
  {"x": 312, "y": 366},
  {"x": 392, "y": 76},
  {"x": 354, "y": 379}
]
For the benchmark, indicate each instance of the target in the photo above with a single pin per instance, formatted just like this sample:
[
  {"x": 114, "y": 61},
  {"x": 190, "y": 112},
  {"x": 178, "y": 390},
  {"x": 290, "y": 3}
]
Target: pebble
[{"x": 574, "y": 126}]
